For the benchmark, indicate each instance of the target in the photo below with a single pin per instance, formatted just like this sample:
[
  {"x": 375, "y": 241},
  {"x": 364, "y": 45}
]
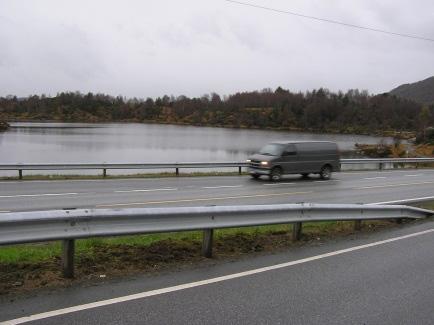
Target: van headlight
[
  {"x": 264, "y": 163},
  {"x": 248, "y": 160}
]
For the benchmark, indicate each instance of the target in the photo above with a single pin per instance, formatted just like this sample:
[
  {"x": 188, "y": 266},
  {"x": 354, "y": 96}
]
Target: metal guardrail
[
  {"x": 105, "y": 166},
  {"x": 386, "y": 160},
  {"x": 68, "y": 225}
]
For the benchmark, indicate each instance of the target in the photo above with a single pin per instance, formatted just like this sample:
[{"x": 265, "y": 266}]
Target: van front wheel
[
  {"x": 276, "y": 174},
  {"x": 326, "y": 172}
]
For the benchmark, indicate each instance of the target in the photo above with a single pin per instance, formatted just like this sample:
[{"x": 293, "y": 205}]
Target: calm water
[{"x": 143, "y": 143}]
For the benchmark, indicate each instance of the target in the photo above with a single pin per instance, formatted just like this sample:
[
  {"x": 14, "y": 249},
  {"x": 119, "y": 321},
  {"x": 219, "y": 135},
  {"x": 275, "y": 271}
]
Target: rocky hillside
[{"x": 421, "y": 91}]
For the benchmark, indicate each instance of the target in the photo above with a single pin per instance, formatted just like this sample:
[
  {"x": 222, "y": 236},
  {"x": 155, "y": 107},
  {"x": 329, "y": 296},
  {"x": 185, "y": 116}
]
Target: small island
[{"x": 3, "y": 126}]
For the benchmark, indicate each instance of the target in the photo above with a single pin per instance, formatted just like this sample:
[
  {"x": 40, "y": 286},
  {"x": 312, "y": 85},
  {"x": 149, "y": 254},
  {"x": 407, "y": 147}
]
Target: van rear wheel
[
  {"x": 255, "y": 176},
  {"x": 276, "y": 174},
  {"x": 326, "y": 172}
]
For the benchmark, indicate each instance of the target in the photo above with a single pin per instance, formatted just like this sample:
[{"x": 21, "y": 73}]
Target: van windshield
[{"x": 272, "y": 149}]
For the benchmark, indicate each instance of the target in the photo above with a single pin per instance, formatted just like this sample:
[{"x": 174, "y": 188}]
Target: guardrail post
[
  {"x": 177, "y": 171},
  {"x": 296, "y": 231},
  {"x": 104, "y": 172},
  {"x": 357, "y": 225},
  {"x": 68, "y": 249},
  {"x": 239, "y": 170},
  {"x": 207, "y": 242},
  {"x": 20, "y": 173},
  {"x": 380, "y": 166}
]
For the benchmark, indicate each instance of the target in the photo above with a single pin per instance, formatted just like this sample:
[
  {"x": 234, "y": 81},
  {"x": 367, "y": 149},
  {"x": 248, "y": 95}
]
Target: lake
[{"x": 31, "y": 142}]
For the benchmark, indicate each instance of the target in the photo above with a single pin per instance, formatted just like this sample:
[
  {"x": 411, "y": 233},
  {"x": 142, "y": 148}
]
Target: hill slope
[{"x": 421, "y": 91}]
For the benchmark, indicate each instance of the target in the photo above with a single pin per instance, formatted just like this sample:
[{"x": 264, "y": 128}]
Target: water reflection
[{"x": 95, "y": 143}]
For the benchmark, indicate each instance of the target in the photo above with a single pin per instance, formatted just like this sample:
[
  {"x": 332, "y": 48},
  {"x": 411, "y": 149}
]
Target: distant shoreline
[{"x": 389, "y": 134}]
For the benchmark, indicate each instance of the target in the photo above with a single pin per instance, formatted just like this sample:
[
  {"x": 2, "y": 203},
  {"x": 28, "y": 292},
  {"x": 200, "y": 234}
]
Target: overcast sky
[{"x": 192, "y": 47}]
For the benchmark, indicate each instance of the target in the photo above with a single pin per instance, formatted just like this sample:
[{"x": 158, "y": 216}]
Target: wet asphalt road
[
  {"x": 372, "y": 282},
  {"x": 350, "y": 187}
]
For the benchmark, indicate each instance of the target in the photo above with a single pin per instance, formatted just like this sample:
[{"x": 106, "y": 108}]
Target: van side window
[{"x": 289, "y": 150}]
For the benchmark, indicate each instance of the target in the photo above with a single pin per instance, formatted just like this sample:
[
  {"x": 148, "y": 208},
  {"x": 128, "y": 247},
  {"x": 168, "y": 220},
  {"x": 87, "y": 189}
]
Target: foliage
[
  {"x": 426, "y": 136},
  {"x": 374, "y": 150},
  {"x": 319, "y": 110}
]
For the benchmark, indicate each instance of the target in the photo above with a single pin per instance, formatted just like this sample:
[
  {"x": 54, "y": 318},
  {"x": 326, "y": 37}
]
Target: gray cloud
[{"x": 150, "y": 48}]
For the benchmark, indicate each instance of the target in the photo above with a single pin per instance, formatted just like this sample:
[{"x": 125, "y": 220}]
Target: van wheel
[
  {"x": 276, "y": 174},
  {"x": 326, "y": 172},
  {"x": 255, "y": 176}
]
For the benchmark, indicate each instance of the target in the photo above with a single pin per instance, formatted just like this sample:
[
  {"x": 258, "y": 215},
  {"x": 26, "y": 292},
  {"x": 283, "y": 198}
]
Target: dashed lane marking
[
  {"x": 391, "y": 185},
  {"x": 222, "y": 186},
  {"x": 37, "y": 195},
  {"x": 203, "y": 199},
  {"x": 379, "y": 177},
  {"x": 147, "y": 190},
  {"x": 277, "y": 184}
]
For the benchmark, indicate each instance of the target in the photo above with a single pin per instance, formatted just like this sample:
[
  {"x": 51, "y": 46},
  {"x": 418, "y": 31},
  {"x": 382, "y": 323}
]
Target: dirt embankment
[{"x": 395, "y": 150}]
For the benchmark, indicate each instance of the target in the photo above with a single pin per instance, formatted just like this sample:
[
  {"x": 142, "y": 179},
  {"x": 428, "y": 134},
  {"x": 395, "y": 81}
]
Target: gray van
[{"x": 295, "y": 157}]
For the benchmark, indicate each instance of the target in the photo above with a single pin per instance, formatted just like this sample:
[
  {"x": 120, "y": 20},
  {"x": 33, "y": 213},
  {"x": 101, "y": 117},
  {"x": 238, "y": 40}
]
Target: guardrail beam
[
  {"x": 68, "y": 225},
  {"x": 104, "y": 166}
]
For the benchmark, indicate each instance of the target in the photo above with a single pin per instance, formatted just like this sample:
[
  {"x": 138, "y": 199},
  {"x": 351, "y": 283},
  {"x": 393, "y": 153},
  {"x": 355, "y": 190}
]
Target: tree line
[{"x": 319, "y": 110}]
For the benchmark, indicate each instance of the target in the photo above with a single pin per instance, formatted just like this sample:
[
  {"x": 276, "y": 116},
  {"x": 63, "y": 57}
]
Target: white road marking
[
  {"x": 37, "y": 195},
  {"x": 389, "y": 171},
  {"x": 391, "y": 185},
  {"x": 328, "y": 180},
  {"x": 276, "y": 184},
  {"x": 413, "y": 175},
  {"x": 4, "y": 211},
  {"x": 405, "y": 200},
  {"x": 223, "y": 186},
  {"x": 148, "y": 190},
  {"x": 370, "y": 172},
  {"x": 190, "y": 285},
  {"x": 379, "y": 177},
  {"x": 203, "y": 199},
  {"x": 30, "y": 181}
]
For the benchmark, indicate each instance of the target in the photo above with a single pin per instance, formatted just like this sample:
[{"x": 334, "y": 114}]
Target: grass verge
[
  {"x": 30, "y": 266},
  {"x": 100, "y": 176}
]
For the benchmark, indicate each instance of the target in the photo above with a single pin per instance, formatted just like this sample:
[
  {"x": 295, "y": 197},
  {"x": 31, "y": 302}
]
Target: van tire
[
  {"x": 276, "y": 174},
  {"x": 255, "y": 176},
  {"x": 326, "y": 172}
]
